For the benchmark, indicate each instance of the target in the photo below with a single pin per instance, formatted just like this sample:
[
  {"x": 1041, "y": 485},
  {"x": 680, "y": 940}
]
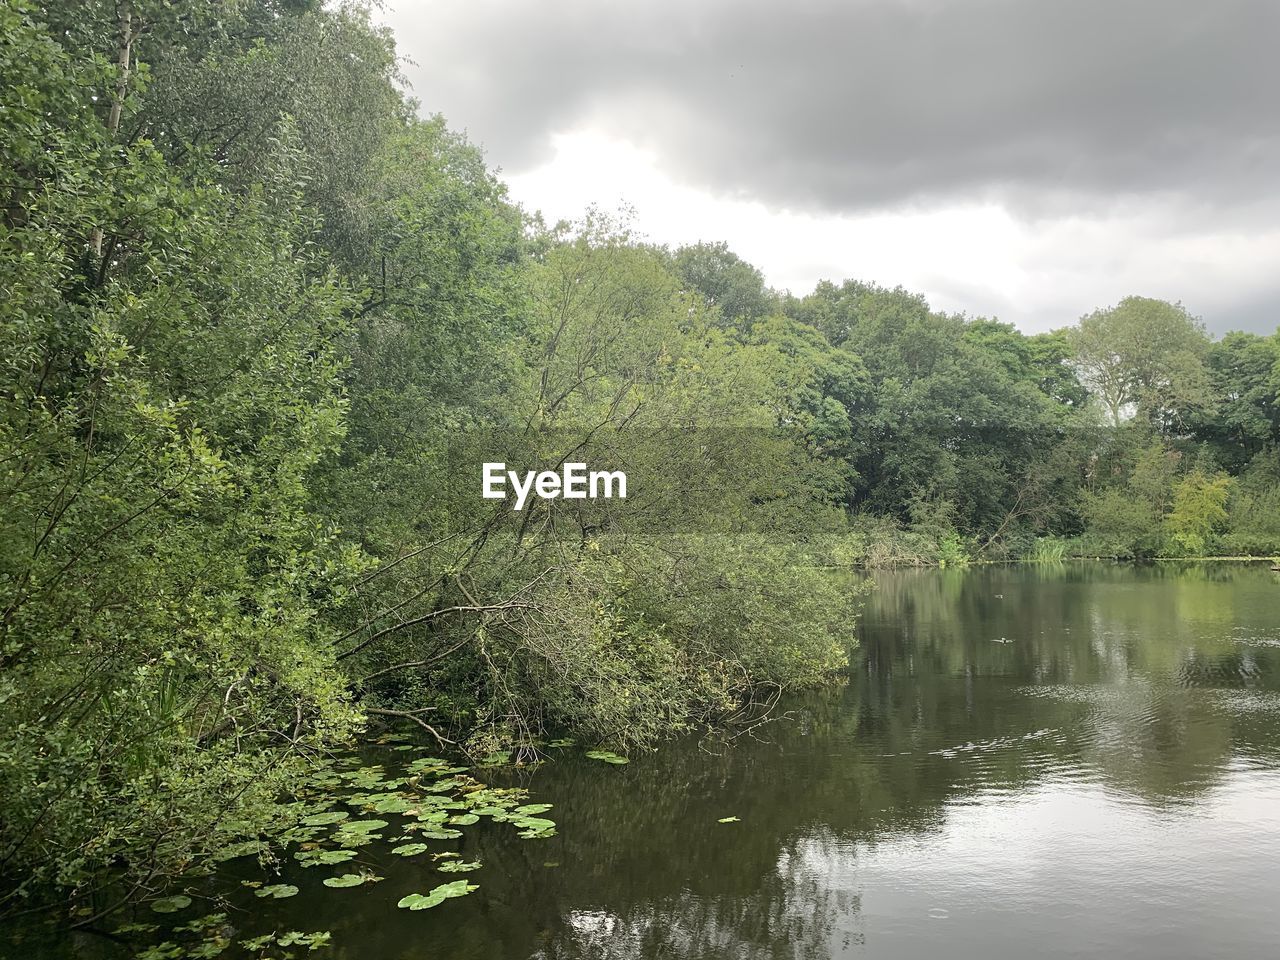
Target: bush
[{"x": 1199, "y": 512}]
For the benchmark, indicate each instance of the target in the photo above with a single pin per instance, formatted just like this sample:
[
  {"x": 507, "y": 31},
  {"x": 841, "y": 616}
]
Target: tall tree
[
  {"x": 724, "y": 281},
  {"x": 1146, "y": 357},
  {"x": 1243, "y": 418}
]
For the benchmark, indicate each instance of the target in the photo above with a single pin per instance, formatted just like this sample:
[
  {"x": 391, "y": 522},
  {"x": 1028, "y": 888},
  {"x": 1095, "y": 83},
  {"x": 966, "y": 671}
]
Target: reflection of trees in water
[
  {"x": 791, "y": 915},
  {"x": 1127, "y": 662},
  {"x": 1107, "y": 676}
]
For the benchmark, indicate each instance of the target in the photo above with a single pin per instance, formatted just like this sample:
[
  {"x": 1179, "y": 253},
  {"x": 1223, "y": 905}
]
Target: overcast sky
[{"x": 1025, "y": 159}]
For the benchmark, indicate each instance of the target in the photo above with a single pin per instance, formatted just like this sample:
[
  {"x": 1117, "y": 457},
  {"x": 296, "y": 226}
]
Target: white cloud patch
[
  {"x": 977, "y": 258},
  {"x": 1029, "y": 160}
]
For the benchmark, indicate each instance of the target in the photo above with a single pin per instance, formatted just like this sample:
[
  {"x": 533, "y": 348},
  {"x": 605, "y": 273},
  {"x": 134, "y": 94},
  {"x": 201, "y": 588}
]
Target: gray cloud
[
  {"x": 877, "y": 103},
  {"x": 1257, "y": 313}
]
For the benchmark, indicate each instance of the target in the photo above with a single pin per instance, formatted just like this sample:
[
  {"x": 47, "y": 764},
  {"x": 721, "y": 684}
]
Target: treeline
[
  {"x": 1130, "y": 434},
  {"x": 254, "y": 305}
]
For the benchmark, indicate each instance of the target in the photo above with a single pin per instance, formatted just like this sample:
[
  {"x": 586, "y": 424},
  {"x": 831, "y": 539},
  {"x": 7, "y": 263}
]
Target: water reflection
[
  {"x": 1079, "y": 760},
  {"x": 1026, "y": 762}
]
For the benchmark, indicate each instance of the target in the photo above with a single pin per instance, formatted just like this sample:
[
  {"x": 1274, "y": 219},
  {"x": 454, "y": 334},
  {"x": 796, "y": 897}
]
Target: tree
[
  {"x": 166, "y": 581},
  {"x": 724, "y": 281},
  {"x": 1144, "y": 356},
  {"x": 1199, "y": 512},
  {"x": 1243, "y": 417}
]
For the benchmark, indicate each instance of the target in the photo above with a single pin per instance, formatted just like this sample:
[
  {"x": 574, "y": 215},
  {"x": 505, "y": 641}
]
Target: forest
[{"x": 263, "y": 315}]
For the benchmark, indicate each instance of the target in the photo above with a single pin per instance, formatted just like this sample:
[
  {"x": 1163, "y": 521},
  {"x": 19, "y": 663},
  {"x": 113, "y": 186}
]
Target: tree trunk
[{"x": 124, "y": 57}]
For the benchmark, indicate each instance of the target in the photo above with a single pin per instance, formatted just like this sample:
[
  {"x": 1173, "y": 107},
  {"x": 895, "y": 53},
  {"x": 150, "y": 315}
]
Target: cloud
[
  {"x": 849, "y": 106},
  {"x": 968, "y": 256},
  {"x": 1029, "y": 159}
]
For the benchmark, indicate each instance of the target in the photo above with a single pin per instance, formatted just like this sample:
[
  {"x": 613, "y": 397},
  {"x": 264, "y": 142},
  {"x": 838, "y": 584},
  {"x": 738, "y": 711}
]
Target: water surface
[{"x": 1064, "y": 761}]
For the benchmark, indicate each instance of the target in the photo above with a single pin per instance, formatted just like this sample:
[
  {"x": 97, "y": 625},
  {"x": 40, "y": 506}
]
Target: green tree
[
  {"x": 165, "y": 578},
  {"x": 724, "y": 281},
  {"x": 1244, "y": 415},
  {"x": 1145, "y": 356},
  {"x": 1199, "y": 512}
]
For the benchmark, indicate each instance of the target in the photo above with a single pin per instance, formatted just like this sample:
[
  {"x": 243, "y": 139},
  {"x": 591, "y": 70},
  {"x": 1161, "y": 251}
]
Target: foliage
[
  {"x": 1049, "y": 550},
  {"x": 1199, "y": 511},
  {"x": 1146, "y": 354},
  {"x": 725, "y": 282},
  {"x": 261, "y": 326},
  {"x": 164, "y": 578}
]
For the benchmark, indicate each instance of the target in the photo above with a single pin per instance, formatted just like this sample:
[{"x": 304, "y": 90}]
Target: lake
[{"x": 1077, "y": 760}]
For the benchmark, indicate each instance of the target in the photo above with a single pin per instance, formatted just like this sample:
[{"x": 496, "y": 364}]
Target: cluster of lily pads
[
  {"x": 349, "y": 804},
  {"x": 433, "y": 800},
  {"x": 214, "y": 937}
]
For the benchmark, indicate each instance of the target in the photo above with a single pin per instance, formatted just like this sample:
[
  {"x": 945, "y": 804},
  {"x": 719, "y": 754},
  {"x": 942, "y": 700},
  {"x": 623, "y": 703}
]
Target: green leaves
[
  {"x": 171, "y": 904},
  {"x": 316, "y": 858},
  {"x": 277, "y": 891},
  {"x": 410, "y": 849},
  {"x": 458, "y": 866},
  {"x": 350, "y": 880},
  {"x": 607, "y": 756},
  {"x": 234, "y": 851},
  {"x": 418, "y": 901}
]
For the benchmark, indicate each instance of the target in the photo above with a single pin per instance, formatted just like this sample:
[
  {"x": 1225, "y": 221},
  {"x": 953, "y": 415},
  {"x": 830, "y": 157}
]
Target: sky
[{"x": 1029, "y": 160}]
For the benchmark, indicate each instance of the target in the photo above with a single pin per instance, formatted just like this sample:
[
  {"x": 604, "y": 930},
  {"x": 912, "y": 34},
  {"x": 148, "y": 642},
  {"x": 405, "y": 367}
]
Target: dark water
[{"x": 1069, "y": 761}]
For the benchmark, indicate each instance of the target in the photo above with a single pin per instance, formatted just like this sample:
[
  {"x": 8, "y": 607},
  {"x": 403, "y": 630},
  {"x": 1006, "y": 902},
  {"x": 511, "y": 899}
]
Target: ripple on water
[
  {"x": 996, "y": 743},
  {"x": 1245, "y": 701},
  {"x": 1252, "y": 637}
]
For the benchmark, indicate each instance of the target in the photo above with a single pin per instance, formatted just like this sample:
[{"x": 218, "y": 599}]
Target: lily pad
[
  {"x": 464, "y": 819},
  {"x": 315, "y": 858},
  {"x": 311, "y": 941},
  {"x": 277, "y": 891},
  {"x": 459, "y": 866},
  {"x": 171, "y": 904},
  {"x": 608, "y": 756},
  {"x": 364, "y": 826},
  {"x": 410, "y": 849},
  {"x": 324, "y": 819},
  {"x": 354, "y": 838},
  {"x": 443, "y": 786},
  {"x": 350, "y": 880},
  {"x": 534, "y": 823},
  {"x": 419, "y": 901}
]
